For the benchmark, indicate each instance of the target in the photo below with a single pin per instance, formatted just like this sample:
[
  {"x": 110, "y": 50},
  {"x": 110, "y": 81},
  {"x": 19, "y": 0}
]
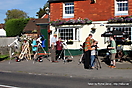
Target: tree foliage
[
  {"x": 14, "y": 27},
  {"x": 15, "y": 14},
  {"x": 41, "y": 12}
]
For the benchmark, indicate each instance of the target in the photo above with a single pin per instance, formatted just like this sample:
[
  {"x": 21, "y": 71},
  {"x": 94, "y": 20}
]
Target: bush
[{"x": 15, "y": 27}]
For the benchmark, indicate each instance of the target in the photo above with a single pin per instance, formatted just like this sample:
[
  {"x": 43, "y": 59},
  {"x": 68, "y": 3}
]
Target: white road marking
[{"x": 5, "y": 86}]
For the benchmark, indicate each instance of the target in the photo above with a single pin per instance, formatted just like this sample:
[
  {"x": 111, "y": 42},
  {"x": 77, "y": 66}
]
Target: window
[
  {"x": 121, "y": 7},
  {"x": 68, "y": 33},
  {"x": 120, "y": 39},
  {"x": 123, "y": 29},
  {"x": 68, "y": 10}
]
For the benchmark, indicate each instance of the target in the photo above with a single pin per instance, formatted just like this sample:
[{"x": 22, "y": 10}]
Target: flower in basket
[
  {"x": 93, "y": 28},
  {"x": 49, "y": 31},
  {"x": 120, "y": 19},
  {"x": 71, "y": 21}
]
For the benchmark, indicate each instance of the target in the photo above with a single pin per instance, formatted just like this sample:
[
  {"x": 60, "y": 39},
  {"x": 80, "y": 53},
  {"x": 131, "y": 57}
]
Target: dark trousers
[
  {"x": 59, "y": 53},
  {"x": 87, "y": 59}
]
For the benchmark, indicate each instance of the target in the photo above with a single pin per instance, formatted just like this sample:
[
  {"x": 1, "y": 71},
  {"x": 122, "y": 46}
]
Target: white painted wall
[
  {"x": 84, "y": 32},
  {"x": 2, "y": 32}
]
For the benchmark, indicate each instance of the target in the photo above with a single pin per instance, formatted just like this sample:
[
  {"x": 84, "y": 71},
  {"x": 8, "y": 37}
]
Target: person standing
[
  {"x": 93, "y": 53},
  {"x": 34, "y": 47},
  {"x": 53, "y": 48},
  {"x": 87, "y": 53},
  {"x": 113, "y": 52},
  {"x": 59, "y": 49}
]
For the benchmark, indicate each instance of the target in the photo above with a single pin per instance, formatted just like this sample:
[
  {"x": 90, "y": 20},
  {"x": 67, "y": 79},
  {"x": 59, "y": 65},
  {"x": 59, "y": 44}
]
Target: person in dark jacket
[{"x": 59, "y": 49}]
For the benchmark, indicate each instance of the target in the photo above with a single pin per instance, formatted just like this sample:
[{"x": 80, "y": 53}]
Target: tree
[
  {"x": 15, "y": 14},
  {"x": 42, "y": 11},
  {"x": 14, "y": 27}
]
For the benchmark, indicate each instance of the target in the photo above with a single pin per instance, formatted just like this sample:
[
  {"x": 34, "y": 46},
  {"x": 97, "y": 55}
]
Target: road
[{"x": 28, "y": 80}]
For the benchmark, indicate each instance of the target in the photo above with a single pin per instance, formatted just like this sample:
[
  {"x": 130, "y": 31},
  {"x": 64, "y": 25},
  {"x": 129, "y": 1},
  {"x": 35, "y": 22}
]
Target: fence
[{"x": 4, "y": 42}]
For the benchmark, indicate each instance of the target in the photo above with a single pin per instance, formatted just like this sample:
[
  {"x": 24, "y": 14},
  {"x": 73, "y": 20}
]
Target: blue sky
[{"x": 28, "y": 6}]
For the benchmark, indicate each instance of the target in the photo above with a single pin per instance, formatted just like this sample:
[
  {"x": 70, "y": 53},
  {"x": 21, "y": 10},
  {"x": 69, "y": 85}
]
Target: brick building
[{"x": 68, "y": 19}]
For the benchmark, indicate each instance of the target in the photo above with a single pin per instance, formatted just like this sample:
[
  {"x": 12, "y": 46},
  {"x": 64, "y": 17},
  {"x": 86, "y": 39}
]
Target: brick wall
[
  {"x": 130, "y": 6},
  {"x": 102, "y": 10}
]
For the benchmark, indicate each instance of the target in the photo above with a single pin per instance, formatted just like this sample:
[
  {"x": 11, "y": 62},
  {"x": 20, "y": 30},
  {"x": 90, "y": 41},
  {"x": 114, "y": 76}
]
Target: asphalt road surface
[{"x": 28, "y": 80}]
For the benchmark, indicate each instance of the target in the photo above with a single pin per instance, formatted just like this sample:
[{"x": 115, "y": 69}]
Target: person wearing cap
[
  {"x": 87, "y": 52},
  {"x": 53, "y": 48}
]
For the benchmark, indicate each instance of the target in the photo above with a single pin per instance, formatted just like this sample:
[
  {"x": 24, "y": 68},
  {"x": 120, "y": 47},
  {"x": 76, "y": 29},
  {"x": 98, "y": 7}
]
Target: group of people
[
  {"x": 90, "y": 52},
  {"x": 89, "y": 48},
  {"x": 56, "y": 49}
]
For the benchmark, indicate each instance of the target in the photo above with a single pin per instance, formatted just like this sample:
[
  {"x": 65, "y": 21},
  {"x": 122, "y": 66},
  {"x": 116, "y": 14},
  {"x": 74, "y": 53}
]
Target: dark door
[{"x": 44, "y": 32}]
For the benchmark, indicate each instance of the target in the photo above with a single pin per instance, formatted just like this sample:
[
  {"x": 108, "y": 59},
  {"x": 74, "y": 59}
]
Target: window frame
[
  {"x": 64, "y": 10},
  {"x": 123, "y": 29},
  {"x": 118, "y": 13},
  {"x": 76, "y": 33}
]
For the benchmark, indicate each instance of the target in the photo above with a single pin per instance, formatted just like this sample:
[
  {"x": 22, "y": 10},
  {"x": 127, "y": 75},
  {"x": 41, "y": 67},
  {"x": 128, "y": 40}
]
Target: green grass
[{"x": 4, "y": 57}]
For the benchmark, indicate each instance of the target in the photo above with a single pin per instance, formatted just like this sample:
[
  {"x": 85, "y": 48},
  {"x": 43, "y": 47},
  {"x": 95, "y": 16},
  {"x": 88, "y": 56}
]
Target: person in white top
[{"x": 53, "y": 48}]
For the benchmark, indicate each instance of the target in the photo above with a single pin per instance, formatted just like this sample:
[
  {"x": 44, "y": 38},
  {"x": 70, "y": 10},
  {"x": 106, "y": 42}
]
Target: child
[
  {"x": 93, "y": 53},
  {"x": 34, "y": 47}
]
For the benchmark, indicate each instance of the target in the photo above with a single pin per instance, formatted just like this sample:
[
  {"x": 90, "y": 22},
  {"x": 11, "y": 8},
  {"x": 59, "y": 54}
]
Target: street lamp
[{"x": 47, "y": 10}]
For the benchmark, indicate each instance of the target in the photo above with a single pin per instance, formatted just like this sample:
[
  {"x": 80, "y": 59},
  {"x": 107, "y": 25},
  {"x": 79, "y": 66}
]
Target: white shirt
[
  {"x": 53, "y": 40},
  {"x": 93, "y": 52}
]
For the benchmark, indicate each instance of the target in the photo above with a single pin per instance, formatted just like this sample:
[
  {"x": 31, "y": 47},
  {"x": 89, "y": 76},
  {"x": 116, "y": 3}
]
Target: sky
[{"x": 28, "y": 6}]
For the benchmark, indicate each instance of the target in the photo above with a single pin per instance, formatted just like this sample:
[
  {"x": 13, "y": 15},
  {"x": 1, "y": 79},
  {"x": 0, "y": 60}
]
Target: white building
[{"x": 2, "y": 32}]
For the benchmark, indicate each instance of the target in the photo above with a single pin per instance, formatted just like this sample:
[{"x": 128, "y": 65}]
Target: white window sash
[
  {"x": 74, "y": 34},
  {"x": 67, "y": 15},
  {"x": 120, "y": 12},
  {"x": 79, "y": 34},
  {"x": 117, "y": 28},
  {"x": 74, "y": 29}
]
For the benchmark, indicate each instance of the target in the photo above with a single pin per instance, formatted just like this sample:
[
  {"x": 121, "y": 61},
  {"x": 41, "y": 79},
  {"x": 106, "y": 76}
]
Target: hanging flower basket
[
  {"x": 93, "y": 29},
  {"x": 49, "y": 31},
  {"x": 121, "y": 19},
  {"x": 71, "y": 22}
]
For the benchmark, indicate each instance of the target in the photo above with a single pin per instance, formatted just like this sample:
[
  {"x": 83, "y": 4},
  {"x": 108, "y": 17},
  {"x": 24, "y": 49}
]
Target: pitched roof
[
  {"x": 1, "y": 26},
  {"x": 31, "y": 25}
]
